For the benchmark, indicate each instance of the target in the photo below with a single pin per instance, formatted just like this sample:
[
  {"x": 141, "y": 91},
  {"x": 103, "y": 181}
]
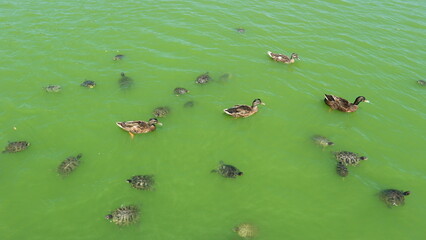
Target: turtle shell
[
  {"x": 118, "y": 57},
  {"x": 228, "y": 171},
  {"x": 322, "y": 141},
  {"x": 52, "y": 88},
  {"x": 189, "y": 104},
  {"x": 69, "y": 165},
  {"x": 421, "y": 82},
  {"x": 125, "y": 81},
  {"x": 348, "y": 158},
  {"x": 13, "y": 147},
  {"x": 180, "y": 91},
  {"x": 203, "y": 78},
  {"x": 161, "y": 111},
  {"x": 89, "y": 84},
  {"x": 124, "y": 215},
  {"x": 246, "y": 230},
  {"x": 142, "y": 182},
  {"x": 393, "y": 197},
  {"x": 341, "y": 169}
]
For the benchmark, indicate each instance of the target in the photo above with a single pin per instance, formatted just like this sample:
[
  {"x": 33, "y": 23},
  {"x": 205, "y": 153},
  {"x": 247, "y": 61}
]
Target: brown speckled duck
[
  {"x": 283, "y": 58},
  {"x": 342, "y": 104},
  {"x": 137, "y": 127},
  {"x": 244, "y": 110}
]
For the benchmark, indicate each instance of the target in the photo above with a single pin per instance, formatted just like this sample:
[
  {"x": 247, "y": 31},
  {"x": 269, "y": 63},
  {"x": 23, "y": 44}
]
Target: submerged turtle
[
  {"x": 393, "y": 197},
  {"x": 240, "y": 30},
  {"x": 143, "y": 182},
  {"x": 52, "y": 88},
  {"x": 161, "y": 111},
  {"x": 246, "y": 230},
  {"x": 348, "y": 158},
  {"x": 322, "y": 141},
  {"x": 69, "y": 165},
  {"x": 118, "y": 57},
  {"x": 88, "y": 83},
  {"x": 13, "y": 147},
  {"x": 189, "y": 104},
  {"x": 125, "y": 81},
  {"x": 225, "y": 76},
  {"x": 124, "y": 215},
  {"x": 179, "y": 91},
  {"x": 203, "y": 78},
  {"x": 341, "y": 169},
  {"x": 227, "y": 171},
  {"x": 421, "y": 82}
]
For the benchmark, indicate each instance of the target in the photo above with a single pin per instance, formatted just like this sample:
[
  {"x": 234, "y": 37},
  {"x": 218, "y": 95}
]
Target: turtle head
[
  {"x": 122, "y": 74},
  {"x": 406, "y": 193},
  {"x": 129, "y": 180},
  {"x": 330, "y": 143},
  {"x": 240, "y": 173},
  {"x": 363, "y": 158},
  {"x": 109, "y": 216}
]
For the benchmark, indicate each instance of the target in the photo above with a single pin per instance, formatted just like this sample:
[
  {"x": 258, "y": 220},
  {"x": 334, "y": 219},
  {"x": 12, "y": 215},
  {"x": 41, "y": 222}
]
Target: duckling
[
  {"x": 137, "y": 127},
  {"x": 283, "y": 58},
  {"x": 342, "y": 104},
  {"x": 244, "y": 110}
]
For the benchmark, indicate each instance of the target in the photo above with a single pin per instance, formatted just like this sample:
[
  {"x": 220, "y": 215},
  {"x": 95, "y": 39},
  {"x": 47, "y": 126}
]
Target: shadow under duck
[
  {"x": 342, "y": 104},
  {"x": 244, "y": 110},
  {"x": 138, "y": 127},
  {"x": 283, "y": 58}
]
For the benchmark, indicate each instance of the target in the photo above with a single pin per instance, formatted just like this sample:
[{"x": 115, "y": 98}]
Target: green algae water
[{"x": 290, "y": 189}]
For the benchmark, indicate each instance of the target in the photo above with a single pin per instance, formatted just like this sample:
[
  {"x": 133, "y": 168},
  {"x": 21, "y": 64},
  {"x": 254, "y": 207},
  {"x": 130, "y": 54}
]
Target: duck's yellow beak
[
  {"x": 366, "y": 101},
  {"x": 160, "y": 124},
  {"x": 263, "y": 103}
]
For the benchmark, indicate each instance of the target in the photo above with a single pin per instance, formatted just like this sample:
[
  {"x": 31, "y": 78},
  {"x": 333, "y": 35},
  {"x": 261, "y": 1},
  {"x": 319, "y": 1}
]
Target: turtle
[
  {"x": 203, "y": 78},
  {"x": 118, "y": 57},
  {"x": 421, "y": 82},
  {"x": 341, "y": 169},
  {"x": 322, "y": 141},
  {"x": 142, "y": 182},
  {"x": 240, "y": 30},
  {"x": 52, "y": 88},
  {"x": 348, "y": 158},
  {"x": 189, "y": 104},
  {"x": 161, "y": 111},
  {"x": 88, "y": 83},
  {"x": 69, "y": 165},
  {"x": 246, "y": 230},
  {"x": 124, "y": 215},
  {"x": 225, "y": 76},
  {"x": 227, "y": 171},
  {"x": 179, "y": 91},
  {"x": 13, "y": 147},
  {"x": 125, "y": 81},
  {"x": 393, "y": 197}
]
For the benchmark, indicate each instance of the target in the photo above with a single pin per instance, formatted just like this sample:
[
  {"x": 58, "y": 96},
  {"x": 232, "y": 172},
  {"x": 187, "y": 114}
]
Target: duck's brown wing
[
  {"x": 238, "y": 110},
  {"x": 336, "y": 102},
  {"x": 278, "y": 57}
]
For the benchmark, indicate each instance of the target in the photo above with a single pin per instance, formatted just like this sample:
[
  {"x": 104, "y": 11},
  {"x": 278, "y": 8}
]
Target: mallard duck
[
  {"x": 243, "y": 110},
  {"x": 283, "y": 58},
  {"x": 137, "y": 127},
  {"x": 342, "y": 104}
]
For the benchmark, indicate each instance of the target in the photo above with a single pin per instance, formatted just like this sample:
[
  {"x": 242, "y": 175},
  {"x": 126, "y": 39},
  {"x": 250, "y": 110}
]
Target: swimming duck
[
  {"x": 244, "y": 110},
  {"x": 137, "y": 127},
  {"x": 283, "y": 58},
  {"x": 342, "y": 104}
]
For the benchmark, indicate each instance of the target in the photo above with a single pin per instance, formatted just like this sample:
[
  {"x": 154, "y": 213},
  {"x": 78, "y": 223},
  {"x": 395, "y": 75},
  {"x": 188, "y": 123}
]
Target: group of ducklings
[{"x": 125, "y": 215}]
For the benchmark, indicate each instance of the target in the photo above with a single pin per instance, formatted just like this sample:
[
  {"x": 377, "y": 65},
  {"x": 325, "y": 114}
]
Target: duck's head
[
  {"x": 295, "y": 56},
  {"x": 360, "y": 99},
  {"x": 406, "y": 193},
  {"x": 109, "y": 216},
  {"x": 154, "y": 121},
  {"x": 257, "y": 101}
]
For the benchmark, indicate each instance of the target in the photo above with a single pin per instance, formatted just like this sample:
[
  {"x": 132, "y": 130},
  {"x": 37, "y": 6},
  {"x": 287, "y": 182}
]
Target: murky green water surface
[{"x": 289, "y": 189}]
